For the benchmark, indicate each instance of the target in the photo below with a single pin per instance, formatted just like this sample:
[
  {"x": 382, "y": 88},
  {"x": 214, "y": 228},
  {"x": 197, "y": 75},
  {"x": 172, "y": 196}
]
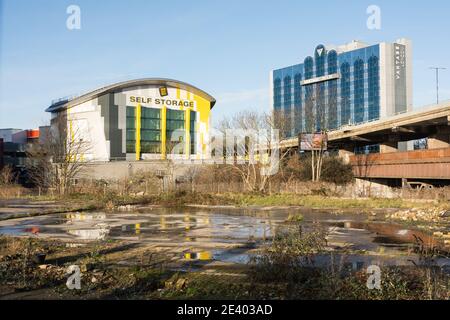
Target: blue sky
[{"x": 226, "y": 47}]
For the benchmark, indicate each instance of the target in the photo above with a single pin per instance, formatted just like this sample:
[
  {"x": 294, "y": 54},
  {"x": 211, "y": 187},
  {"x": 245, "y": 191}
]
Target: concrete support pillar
[
  {"x": 439, "y": 141},
  {"x": 138, "y": 132},
  {"x": 389, "y": 147},
  {"x": 163, "y": 133},
  {"x": 345, "y": 154}
]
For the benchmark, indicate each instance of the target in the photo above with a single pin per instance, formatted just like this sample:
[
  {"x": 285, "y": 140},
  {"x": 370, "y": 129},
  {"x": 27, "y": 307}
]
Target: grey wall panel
[
  {"x": 120, "y": 100},
  {"x": 110, "y": 112}
]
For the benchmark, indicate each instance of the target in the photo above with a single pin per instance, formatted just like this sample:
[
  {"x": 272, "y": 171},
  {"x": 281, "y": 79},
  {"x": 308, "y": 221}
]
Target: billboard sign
[{"x": 313, "y": 142}]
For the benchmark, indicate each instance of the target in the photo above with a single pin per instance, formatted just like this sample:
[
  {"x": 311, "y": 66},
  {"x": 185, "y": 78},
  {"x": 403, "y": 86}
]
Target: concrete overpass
[{"x": 394, "y": 160}]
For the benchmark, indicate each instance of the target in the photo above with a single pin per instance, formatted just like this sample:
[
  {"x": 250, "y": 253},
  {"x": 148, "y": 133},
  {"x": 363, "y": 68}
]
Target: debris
[
  {"x": 88, "y": 267},
  {"x": 428, "y": 215},
  {"x": 181, "y": 283},
  {"x": 128, "y": 207}
]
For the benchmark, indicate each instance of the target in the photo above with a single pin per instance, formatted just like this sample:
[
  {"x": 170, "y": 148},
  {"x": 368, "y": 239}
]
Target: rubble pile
[{"x": 415, "y": 214}]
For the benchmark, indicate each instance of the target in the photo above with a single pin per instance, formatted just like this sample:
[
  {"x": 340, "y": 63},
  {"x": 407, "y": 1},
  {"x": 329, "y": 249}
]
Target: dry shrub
[
  {"x": 334, "y": 170},
  {"x": 216, "y": 174},
  {"x": 12, "y": 191},
  {"x": 7, "y": 176},
  {"x": 8, "y": 184},
  {"x": 141, "y": 183}
]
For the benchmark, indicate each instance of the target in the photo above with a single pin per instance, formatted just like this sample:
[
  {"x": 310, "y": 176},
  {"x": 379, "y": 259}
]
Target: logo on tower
[{"x": 320, "y": 50}]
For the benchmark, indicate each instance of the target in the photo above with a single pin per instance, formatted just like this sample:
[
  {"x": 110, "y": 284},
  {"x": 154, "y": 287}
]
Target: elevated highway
[{"x": 395, "y": 161}]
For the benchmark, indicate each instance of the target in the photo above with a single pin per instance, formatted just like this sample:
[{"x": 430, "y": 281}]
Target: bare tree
[
  {"x": 320, "y": 119},
  {"x": 59, "y": 159},
  {"x": 252, "y": 148}
]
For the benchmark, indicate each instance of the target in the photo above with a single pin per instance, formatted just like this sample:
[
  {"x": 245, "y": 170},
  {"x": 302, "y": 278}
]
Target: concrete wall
[
  {"x": 125, "y": 169},
  {"x": 375, "y": 189}
]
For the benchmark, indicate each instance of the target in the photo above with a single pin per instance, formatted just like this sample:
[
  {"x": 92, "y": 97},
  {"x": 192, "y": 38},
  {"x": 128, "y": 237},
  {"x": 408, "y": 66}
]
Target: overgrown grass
[
  {"x": 110, "y": 201},
  {"x": 290, "y": 263},
  {"x": 276, "y": 276},
  {"x": 324, "y": 201}
]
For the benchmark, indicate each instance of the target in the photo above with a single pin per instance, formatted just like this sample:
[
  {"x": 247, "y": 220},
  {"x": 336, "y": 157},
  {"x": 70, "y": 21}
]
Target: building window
[
  {"x": 374, "y": 88},
  {"x": 309, "y": 68},
  {"x": 332, "y": 62},
  {"x": 359, "y": 102},
  {"x": 309, "y": 109},
  {"x": 345, "y": 94},
  {"x": 193, "y": 132},
  {"x": 277, "y": 94},
  {"x": 175, "y": 131},
  {"x": 150, "y": 130},
  {"x": 321, "y": 106},
  {"x": 298, "y": 103},
  {"x": 332, "y": 105},
  {"x": 320, "y": 56},
  {"x": 332, "y": 92},
  {"x": 287, "y": 104}
]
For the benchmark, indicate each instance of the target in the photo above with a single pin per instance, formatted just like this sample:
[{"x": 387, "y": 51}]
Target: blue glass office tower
[{"x": 345, "y": 85}]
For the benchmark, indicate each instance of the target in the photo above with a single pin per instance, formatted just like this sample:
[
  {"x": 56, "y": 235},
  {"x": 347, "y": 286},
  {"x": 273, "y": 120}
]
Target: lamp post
[{"x": 437, "y": 81}]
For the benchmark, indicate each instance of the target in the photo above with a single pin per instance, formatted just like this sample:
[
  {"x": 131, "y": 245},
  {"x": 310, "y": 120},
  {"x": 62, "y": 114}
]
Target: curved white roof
[{"x": 65, "y": 104}]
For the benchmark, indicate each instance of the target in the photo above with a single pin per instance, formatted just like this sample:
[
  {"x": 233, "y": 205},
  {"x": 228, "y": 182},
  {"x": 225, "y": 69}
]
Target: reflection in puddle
[
  {"x": 199, "y": 235},
  {"x": 202, "y": 256},
  {"x": 91, "y": 234},
  {"x": 85, "y": 217}
]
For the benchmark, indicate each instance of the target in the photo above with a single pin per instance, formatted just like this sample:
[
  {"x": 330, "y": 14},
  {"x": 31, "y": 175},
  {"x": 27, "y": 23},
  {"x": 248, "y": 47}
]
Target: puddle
[{"x": 206, "y": 236}]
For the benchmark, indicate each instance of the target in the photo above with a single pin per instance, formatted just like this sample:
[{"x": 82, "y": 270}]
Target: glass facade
[
  {"x": 298, "y": 99},
  {"x": 151, "y": 139},
  {"x": 150, "y": 130},
  {"x": 287, "y": 103},
  {"x": 346, "y": 115},
  {"x": 175, "y": 130},
  {"x": 351, "y": 96},
  {"x": 359, "y": 103},
  {"x": 277, "y": 94},
  {"x": 374, "y": 88},
  {"x": 193, "y": 132}
]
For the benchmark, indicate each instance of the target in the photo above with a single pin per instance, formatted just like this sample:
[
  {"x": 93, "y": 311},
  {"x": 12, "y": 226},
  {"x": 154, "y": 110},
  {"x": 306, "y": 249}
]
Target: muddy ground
[{"x": 172, "y": 253}]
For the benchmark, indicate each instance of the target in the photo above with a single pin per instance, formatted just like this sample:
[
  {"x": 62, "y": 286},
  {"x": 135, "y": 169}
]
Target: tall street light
[{"x": 437, "y": 81}]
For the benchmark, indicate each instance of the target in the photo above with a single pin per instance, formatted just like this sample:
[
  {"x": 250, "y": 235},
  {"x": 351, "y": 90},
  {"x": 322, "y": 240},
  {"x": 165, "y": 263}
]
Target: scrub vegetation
[{"x": 285, "y": 269}]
